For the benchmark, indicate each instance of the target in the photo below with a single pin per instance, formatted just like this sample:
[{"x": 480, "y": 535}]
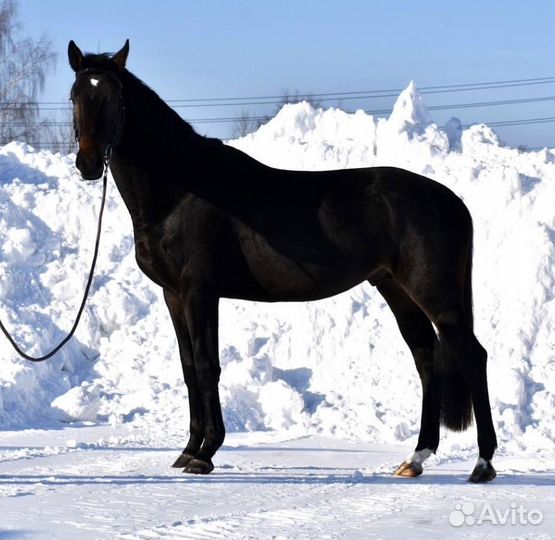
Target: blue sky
[{"x": 215, "y": 48}]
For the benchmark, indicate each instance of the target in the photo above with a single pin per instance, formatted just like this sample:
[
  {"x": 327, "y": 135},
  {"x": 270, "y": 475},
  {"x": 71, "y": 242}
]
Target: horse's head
[{"x": 98, "y": 110}]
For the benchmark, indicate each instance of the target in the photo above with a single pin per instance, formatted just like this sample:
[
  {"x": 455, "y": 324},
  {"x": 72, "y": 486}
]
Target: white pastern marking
[
  {"x": 94, "y": 81},
  {"x": 419, "y": 456}
]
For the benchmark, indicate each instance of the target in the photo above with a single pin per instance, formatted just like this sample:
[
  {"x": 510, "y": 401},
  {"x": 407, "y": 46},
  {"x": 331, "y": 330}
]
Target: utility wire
[
  {"x": 327, "y": 96},
  {"x": 387, "y": 93},
  {"x": 371, "y": 112},
  {"x": 543, "y": 120},
  {"x": 506, "y": 123},
  {"x": 339, "y": 96},
  {"x": 527, "y": 121}
]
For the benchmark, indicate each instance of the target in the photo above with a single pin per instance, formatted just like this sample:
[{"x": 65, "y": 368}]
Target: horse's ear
[
  {"x": 75, "y": 56},
  {"x": 120, "y": 58}
]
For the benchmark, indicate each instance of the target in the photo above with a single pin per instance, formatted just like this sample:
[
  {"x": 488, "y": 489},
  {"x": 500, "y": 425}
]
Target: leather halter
[{"x": 117, "y": 127}]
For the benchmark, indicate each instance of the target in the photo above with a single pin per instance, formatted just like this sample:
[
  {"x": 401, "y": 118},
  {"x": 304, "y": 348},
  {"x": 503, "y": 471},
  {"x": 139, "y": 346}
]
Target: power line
[
  {"x": 423, "y": 89},
  {"x": 345, "y": 96},
  {"x": 543, "y": 120},
  {"x": 371, "y": 112},
  {"x": 326, "y": 96},
  {"x": 490, "y": 103},
  {"x": 472, "y": 105},
  {"x": 506, "y": 123},
  {"x": 339, "y": 96}
]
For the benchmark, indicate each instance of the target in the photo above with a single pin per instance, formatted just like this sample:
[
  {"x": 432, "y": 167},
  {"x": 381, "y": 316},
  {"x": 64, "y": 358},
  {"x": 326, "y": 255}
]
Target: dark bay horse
[{"x": 211, "y": 222}]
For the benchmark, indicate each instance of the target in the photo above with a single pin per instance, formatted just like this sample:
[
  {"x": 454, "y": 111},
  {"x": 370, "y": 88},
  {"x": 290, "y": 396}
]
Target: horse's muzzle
[{"x": 91, "y": 166}]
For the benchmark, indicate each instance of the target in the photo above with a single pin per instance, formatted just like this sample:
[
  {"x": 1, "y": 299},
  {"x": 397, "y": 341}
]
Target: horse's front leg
[
  {"x": 196, "y": 413},
  {"x": 201, "y": 311}
]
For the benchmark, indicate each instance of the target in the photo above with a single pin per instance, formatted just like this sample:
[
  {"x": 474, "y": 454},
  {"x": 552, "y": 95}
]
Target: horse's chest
[{"x": 154, "y": 262}]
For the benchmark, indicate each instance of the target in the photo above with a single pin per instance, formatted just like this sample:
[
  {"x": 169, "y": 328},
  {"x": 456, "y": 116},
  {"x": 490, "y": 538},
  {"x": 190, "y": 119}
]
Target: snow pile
[{"x": 338, "y": 366}]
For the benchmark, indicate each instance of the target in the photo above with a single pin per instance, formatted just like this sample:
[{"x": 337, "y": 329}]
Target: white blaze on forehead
[{"x": 94, "y": 81}]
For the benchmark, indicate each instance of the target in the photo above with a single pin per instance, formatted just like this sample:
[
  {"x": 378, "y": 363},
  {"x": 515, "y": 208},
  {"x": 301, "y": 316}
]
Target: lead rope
[{"x": 87, "y": 287}]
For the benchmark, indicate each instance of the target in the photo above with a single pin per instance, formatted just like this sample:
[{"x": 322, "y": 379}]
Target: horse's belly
[{"x": 280, "y": 279}]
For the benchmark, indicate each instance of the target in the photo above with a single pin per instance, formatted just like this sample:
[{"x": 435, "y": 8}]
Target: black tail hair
[{"x": 456, "y": 397}]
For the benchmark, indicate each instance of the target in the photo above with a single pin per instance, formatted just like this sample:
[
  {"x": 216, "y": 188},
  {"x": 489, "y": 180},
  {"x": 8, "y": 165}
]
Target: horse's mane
[{"x": 171, "y": 130}]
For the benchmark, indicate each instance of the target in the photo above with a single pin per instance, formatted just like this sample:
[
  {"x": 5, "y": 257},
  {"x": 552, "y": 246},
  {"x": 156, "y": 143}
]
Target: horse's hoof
[
  {"x": 408, "y": 469},
  {"x": 199, "y": 466},
  {"x": 182, "y": 460},
  {"x": 483, "y": 472}
]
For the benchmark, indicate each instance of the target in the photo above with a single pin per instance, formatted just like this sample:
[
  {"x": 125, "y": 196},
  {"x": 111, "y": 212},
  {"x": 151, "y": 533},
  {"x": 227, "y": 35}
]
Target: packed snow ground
[
  {"x": 87, "y": 485},
  {"x": 336, "y": 370}
]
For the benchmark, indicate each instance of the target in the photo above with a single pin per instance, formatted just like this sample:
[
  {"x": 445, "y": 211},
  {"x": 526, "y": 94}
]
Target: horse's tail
[
  {"x": 456, "y": 397},
  {"x": 467, "y": 290}
]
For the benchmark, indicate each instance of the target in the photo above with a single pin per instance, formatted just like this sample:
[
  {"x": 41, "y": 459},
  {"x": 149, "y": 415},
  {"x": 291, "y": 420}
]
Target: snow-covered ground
[
  {"x": 87, "y": 484},
  {"x": 321, "y": 400}
]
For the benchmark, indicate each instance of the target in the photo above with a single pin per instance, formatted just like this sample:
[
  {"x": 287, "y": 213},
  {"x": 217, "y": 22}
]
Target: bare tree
[
  {"x": 294, "y": 97},
  {"x": 24, "y": 64},
  {"x": 57, "y": 134},
  {"x": 246, "y": 123}
]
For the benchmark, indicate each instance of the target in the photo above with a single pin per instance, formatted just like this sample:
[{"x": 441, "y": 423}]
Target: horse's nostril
[{"x": 90, "y": 167}]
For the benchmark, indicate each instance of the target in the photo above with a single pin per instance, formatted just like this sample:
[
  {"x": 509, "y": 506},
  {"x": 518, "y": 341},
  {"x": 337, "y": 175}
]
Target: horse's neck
[
  {"x": 130, "y": 183},
  {"x": 160, "y": 159},
  {"x": 141, "y": 163}
]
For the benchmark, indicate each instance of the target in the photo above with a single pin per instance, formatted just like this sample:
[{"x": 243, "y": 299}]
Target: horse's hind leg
[
  {"x": 463, "y": 363},
  {"x": 460, "y": 344},
  {"x": 196, "y": 425},
  {"x": 487, "y": 440},
  {"x": 418, "y": 333}
]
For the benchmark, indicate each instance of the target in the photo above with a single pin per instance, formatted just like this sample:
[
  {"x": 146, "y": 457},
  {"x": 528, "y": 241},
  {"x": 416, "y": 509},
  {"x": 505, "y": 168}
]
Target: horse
[{"x": 211, "y": 222}]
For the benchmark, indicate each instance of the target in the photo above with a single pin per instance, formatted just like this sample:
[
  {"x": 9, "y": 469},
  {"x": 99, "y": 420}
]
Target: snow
[
  {"x": 336, "y": 371},
  {"x": 88, "y": 485}
]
